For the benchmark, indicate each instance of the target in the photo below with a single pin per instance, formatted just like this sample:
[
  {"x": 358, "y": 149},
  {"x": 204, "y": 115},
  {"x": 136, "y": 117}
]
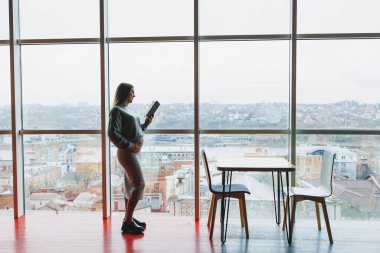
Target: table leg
[
  {"x": 287, "y": 217},
  {"x": 279, "y": 188},
  {"x": 274, "y": 198},
  {"x": 222, "y": 208},
  {"x": 289, "y": 209}
]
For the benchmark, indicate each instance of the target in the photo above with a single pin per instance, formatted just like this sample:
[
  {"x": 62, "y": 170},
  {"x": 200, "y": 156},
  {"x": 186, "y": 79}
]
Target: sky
[{"x": 230, "y": 72}]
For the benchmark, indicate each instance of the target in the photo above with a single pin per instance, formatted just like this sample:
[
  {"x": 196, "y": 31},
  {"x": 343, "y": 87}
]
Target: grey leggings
[{"x": 133, "y": 177}]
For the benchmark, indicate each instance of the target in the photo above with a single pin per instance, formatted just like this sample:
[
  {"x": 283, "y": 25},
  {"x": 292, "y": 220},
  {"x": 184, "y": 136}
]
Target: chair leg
[
  {"x": 241, "y": 207},
  {"x": 210, "y": 209},
  {"x": 325, "y": 214},
  {"x": 215, "y": 205},
  {"x": 292, "y": 218},
  {"x": 245, "y": 217},
  {"x": 286, "y": 213},
  {"x": 318, "y": 215}
]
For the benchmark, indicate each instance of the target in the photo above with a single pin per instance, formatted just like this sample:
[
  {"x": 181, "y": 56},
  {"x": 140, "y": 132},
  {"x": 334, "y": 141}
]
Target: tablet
[{"x": 152, "y": 109}]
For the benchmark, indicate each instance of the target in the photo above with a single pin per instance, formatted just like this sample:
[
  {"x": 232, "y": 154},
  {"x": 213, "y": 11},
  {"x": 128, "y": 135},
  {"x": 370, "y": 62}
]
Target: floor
[{"x": 78, "y": 232}]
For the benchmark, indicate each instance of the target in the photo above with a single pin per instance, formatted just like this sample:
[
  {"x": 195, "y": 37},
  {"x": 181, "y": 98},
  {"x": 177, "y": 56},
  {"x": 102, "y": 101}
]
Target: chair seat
[
  {"x": 310, "y": 192},
  {"x": 235, "y": 188}
]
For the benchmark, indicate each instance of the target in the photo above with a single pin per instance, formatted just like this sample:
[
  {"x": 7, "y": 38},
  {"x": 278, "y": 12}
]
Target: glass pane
[
  {"x": 158, "y": 71},
  {"x": 338, "y": 84},
  {"x": 151, "y": 18},
  {"x": 63, "y": 172},
  {"x": 167, "y": 163},
  {"x": 5, "y": 89},
  {"x": 226, "y": 17},
  {"x": 259, "y": 183},
  {"x": 356, "y": 193},
  {"x": 4, "y": 20},
  {"x": 61, "y": 87},
  {"x": 338, "y": 16},
  {"x": 6, "y": 175},
  {"x": 41, "y": 19},
  {"x": 244, "y": 85}
]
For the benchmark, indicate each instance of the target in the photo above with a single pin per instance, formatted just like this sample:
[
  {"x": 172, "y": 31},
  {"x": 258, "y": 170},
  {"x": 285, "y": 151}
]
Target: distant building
[
  {"x": 6, "y": 200},
  {"x": 345, "y": 161},
  {"x": 88, "y": 160},
  {"x": 6, "y": 180},
  {"x": 360, "y": 199},
  {"x": 39, "y": 176},
  {"x": 308, "y": 166},
  {"x": 66, "y": 153}
]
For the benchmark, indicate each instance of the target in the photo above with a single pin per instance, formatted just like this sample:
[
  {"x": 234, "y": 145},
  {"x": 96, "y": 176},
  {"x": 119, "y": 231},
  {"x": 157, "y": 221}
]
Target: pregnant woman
[{"x": 126, "y": 133}]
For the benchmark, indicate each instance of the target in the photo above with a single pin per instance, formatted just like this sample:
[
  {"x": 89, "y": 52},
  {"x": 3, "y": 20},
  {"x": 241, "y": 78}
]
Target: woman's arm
[{"x": 115, "y": 129}]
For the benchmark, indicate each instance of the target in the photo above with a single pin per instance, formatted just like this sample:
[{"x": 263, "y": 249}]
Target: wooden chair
[
  {"x": 238, "y": 191},
  {"x": 317, "y": 195}
]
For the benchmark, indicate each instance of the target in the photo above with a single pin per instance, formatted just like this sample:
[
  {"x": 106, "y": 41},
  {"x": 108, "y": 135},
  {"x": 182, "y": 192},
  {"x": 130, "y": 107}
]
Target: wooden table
[{"x": 254, "y": 164}]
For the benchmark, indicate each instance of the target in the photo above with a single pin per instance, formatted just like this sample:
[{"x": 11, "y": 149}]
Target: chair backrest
[
  {"x": 327, "y": 171},
  {"x": 207, "y": 170}
]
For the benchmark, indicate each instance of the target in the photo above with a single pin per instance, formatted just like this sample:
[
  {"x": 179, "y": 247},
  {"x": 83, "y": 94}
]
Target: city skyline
[
  {"x": 63, "y": 171},
  {"x": 341, "y": 115}
]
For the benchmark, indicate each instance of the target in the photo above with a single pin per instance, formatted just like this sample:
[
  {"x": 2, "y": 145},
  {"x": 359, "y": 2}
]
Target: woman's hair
[{"x": 122, "y": 92}]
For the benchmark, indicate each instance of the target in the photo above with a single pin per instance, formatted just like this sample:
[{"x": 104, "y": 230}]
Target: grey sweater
[{"x": 124, "y": 129}]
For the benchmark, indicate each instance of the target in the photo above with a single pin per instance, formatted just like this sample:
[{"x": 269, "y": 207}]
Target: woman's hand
[
  {"x": 136, "y": 148},
  {"x": 149, "y": 119}
]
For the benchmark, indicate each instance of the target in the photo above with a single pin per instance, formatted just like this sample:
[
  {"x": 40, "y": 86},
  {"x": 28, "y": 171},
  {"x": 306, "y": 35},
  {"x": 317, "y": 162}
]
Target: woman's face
[{"x": 131, "y": 95}]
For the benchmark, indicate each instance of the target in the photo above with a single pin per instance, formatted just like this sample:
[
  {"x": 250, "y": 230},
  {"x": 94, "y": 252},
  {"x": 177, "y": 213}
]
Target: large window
[
  {"x": 6, "y": 166},
  {"x": 6, "y": 175},
  {"x": 45, "y": 19},
  {"x": 128, "y": 18},
  {"x": 4, "y": 20},
  {"x": 5, "y": 89},
  {"x": 356, "y": 172},
  {"x": 158, "y": 71},
  {"x": 337, "y": 109},
  {"x": 244, "y": 85},
  {"x": 227, "y": 82},
  {"x": 167, "y": 162},
  {"x": 244, "y": 17},
  {"x": 260, "y": 184},
  {"x": 63, "y": 172},
  {"x": 61, "y": 87},
  {"x": 338, "y": 83}
]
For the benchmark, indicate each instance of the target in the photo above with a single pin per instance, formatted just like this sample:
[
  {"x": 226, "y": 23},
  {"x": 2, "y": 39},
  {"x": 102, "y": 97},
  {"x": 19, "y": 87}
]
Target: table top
[{"x": 264, "y": 164}]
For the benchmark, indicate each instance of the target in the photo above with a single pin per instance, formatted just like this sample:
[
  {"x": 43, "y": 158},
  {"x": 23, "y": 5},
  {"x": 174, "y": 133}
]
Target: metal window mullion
[
  {"x": 104, "y": 75},
  {"x": 244, "y": 131},
  {"x": 237, "y": 37},
  {"x": 339, "y": 131},
  {"x": 338, "y": 36},
  {"x": 4, "y": 132},
  {"x": 16, "y": 110},
  {"x": 4, "y": 42},
  {"x": 169, "y": 131},
  {"x": 58, "y": 41},
  {"x": 59, "y": 131},
  {"x": 150, "y": 39},
  {"x": 196, "y": 112},
  {"x": 293, "y": 87}
]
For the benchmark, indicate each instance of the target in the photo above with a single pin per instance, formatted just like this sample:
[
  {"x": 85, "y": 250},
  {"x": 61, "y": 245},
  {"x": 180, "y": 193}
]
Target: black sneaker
[
  {"x": 140, "y": 223},
  {"x": 131, "y": 228}
]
